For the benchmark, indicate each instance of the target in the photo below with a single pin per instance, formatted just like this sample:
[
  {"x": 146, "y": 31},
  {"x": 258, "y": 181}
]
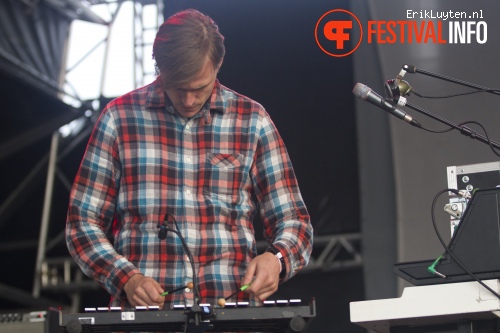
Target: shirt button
[
  {"x": 187, "y": 290},
  {"x": 188, "y": 126},
  {"x": 188, "y": 159},
  {"x": 186, "y": 257},
  {"x": 188, "y": 192}
]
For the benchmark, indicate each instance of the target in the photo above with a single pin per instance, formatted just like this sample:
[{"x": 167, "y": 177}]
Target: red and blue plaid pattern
[{"x": 213, "y": 173}]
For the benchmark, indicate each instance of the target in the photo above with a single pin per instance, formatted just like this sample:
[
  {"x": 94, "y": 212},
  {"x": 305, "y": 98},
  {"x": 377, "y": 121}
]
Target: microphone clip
[
  {"x": 396, "y": 90},
  {"x": 162, "y": 233},
  {"x": 163, "y": 226}
]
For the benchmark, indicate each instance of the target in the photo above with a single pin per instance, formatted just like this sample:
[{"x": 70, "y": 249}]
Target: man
[{"x": 186, "y": 152}]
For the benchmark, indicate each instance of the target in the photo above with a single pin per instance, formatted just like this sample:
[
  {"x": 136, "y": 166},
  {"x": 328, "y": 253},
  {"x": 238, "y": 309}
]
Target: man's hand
[
  {"x": 143, "y": 290},
  {"x": 264, "y": 270}
]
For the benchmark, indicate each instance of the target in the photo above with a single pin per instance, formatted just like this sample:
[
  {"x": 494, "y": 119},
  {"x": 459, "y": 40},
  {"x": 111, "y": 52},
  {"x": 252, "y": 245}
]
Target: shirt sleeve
[
  {"x": 92, "y": 208},
  {"x": 287, "y": 225}
]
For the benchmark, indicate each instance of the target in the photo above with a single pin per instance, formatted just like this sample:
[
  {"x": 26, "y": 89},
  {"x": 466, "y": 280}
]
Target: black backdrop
[{"x": 272, "y": 57}]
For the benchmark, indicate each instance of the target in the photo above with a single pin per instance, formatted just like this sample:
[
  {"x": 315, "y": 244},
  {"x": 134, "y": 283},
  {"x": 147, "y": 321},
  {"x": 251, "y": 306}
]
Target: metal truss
[
  {"x": 335, "y": 252},
  {"x": 60, "y": 275},
  {"x": 143, "y": 39},
  {"x": 331, "y": 252}
]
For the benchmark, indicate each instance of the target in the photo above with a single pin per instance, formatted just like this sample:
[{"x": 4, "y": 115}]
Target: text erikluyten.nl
[
  {"x": 420, "y": 30},
  {"x": 442, "y": 15}
]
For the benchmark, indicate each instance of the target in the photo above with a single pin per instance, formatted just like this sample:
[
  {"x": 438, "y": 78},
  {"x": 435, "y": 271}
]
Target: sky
[{"x": 89, "y": 72}]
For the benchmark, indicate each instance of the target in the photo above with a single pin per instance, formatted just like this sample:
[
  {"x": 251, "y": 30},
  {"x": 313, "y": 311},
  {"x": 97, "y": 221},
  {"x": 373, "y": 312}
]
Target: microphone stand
[
  {"x": 413, "y": 70},
  {"x": 463, "y": 129}
]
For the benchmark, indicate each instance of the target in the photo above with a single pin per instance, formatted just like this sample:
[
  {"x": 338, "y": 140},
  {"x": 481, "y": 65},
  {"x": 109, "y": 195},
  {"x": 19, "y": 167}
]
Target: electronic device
[
  {"x": 29, "y": 321},
  {"x": 469, "y": 178},
  {"x": 474, "y": 242},
  {"x": 273, "y": 316}
]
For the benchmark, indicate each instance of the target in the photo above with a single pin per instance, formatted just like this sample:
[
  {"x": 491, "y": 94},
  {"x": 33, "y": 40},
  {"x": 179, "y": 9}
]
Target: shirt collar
[
  {"x": 157, "y": 98},
  {"x": 217, "y": 99}
]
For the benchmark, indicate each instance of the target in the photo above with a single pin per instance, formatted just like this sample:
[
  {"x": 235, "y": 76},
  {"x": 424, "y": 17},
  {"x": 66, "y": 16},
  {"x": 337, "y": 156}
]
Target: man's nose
[{"x": 188, "y": 98}]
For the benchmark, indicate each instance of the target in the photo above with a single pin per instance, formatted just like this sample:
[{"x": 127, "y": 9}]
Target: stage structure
[{"x": 34, "y": 40}]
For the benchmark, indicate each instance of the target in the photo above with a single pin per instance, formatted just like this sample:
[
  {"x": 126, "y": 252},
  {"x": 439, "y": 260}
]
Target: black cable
[
  {"x": 447, "y": 249},
  {"x": 493, "y": 149},
  {"x": 485, "y": 134},
  {"x": 454, "y": 95}
]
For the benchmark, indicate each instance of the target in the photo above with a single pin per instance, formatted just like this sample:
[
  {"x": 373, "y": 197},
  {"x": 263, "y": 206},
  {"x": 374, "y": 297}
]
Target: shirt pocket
[
  {"x": 224, "y": 176},
  {"x": 225, "y": 161}
]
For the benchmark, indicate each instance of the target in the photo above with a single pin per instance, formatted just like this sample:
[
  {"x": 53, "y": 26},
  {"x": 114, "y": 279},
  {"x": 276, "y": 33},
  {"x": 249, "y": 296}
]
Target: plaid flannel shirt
[{"x": 213, "y": 173}]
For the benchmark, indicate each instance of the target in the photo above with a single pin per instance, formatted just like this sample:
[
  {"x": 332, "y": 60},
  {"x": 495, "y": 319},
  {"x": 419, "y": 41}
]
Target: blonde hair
[{"x": 182, "y": 45}]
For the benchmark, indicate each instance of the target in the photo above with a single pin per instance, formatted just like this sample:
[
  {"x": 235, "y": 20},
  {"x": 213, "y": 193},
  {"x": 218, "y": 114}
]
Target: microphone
[
  {"x": 365, "y": 93},
  {"x": 162, "y": 233}
]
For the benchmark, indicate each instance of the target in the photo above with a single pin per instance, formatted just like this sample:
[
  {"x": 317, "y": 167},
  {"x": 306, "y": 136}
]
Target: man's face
[{"x": 188, "y": 99}]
